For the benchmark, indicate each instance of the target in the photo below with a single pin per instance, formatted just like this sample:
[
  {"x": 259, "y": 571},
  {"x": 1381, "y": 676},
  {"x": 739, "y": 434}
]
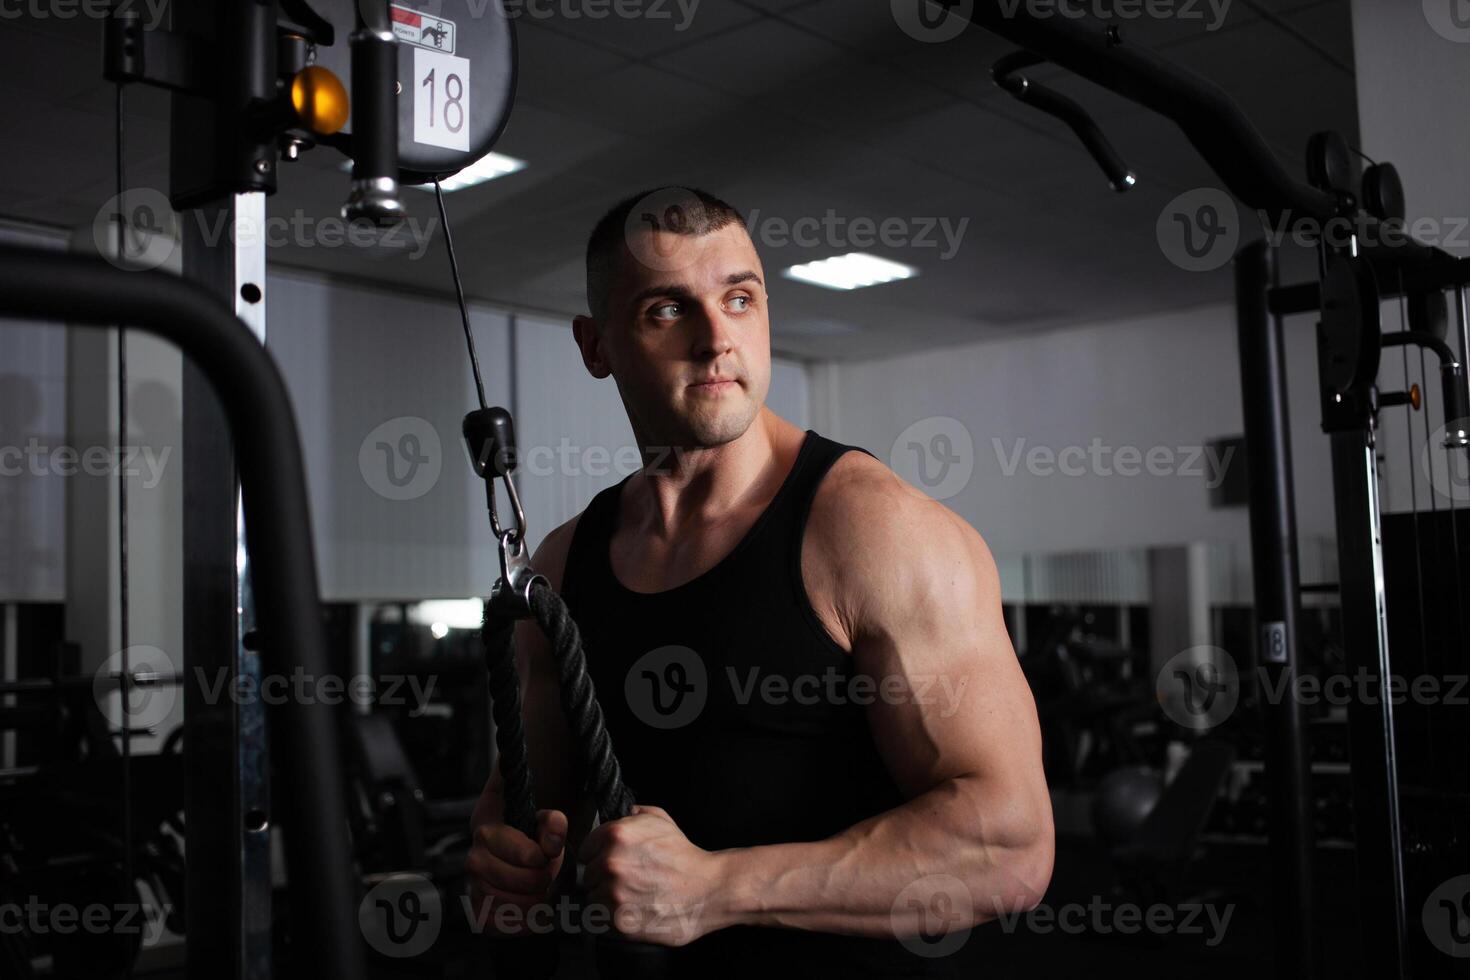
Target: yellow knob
[{"x": 320, "y": 100}]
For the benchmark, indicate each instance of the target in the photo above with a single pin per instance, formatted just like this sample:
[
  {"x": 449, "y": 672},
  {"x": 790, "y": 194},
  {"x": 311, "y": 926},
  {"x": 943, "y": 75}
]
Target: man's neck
[{"x": 696, "y": 487}]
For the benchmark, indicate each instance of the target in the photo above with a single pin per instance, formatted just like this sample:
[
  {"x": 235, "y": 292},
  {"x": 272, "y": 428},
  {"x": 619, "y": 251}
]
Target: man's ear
[{"x": 589, "y": 341}]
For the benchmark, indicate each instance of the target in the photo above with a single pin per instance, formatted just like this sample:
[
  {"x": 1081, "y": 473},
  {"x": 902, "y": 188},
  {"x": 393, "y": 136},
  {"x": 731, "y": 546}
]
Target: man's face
[{"x": 688, "y": 342}]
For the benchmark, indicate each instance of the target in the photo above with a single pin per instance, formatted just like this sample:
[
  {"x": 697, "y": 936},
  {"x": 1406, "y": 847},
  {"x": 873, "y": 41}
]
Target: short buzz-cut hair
[{"x": 681, "y": 210}]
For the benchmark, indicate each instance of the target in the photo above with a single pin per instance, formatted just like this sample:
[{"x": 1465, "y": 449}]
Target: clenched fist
[
  {"x": 658, "y": 886},
  {"x": 510, "y": 870}
]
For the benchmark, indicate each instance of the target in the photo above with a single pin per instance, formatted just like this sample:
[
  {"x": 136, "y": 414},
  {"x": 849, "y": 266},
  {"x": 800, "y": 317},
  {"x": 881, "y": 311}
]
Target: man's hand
[
  {"x": 509, "y": 870},
  {"x": 657, "y": 885}
]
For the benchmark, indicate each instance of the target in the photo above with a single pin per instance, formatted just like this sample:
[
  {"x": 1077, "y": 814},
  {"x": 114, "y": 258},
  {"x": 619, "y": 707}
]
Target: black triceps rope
[
  {"x": 536, "y": 956},
  {"x": 519, "y": 594},
  {"x": 578, "y": 699}
]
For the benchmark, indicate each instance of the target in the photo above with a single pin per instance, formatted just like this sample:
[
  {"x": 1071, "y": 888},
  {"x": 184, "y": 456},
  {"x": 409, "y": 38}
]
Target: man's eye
[
  {"x": 744, "y": 302},
  {"x": 666, "y": 311}
]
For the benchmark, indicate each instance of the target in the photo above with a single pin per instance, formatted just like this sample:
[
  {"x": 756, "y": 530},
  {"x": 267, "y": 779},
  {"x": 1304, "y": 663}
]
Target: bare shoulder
[
  {"x": 875, "y": 545},
  {"x": 550, "y": 558}
]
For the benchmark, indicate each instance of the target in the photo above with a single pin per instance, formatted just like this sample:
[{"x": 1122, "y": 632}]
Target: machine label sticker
[
  {"x": 1273, "y": 643},
  {"x": 441, "y": 99},
  {"x": 425, "y": 30}
]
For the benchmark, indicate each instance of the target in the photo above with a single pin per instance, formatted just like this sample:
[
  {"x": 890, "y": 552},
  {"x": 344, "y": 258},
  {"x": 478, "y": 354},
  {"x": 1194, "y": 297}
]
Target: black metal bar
[
  {"x": 1277, "y": 599},
  {"x": 1006, "y": 73},
  {"x": 1376, "y": 825},
  {"x": 84, "y": 291},
  {"x": 1209, "y": 119},
  {"x": 1395, "y": 279},
  {"x": 213, "y": 827}
]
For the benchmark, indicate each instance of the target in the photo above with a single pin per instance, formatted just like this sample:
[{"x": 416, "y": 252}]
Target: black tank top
[{"x": 731, "y": 707}]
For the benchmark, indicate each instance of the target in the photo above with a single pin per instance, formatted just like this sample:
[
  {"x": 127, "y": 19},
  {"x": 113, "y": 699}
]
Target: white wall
[
  {"x": 356, "y": 359},
  {"x": 1169, "y": 382}
]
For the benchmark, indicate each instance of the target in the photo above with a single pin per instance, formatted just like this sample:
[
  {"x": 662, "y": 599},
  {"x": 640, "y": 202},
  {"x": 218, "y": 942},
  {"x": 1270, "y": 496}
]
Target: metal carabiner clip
[{"x": 490, "y": 436}]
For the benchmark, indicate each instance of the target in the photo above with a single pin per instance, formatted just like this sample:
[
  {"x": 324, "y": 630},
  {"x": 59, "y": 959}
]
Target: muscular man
[{"x": 801, "y": 658}]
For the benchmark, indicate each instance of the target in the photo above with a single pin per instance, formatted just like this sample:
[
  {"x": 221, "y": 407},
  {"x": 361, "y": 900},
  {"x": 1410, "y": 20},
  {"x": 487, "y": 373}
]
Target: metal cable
[{"x": 125, "y": 682}]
